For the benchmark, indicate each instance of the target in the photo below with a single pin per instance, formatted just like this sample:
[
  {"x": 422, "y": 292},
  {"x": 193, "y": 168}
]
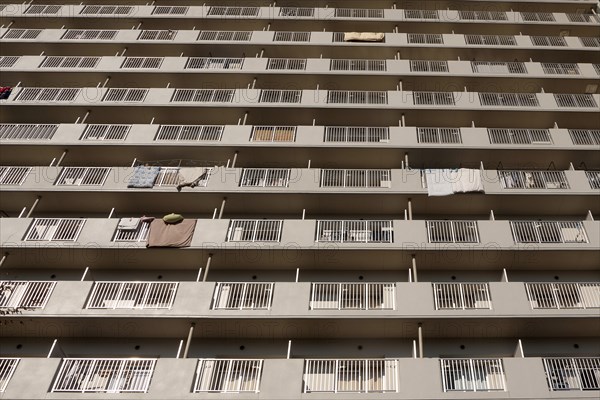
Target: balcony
[
  {"x": 533, "y": 180},
  {"x": 473, "y": 375},
  {"x": 452, "y": 232},
  {"x": 265, "y": 177},
  {"x": 352, "y": 296},
  {"x": 462, "y": 296},
  {"x": 577, "y": 374},
  {"x": 350, "y": 376},
  {"x": 560, "y": 296},
  {"x": 7, "y": 369},
  {"x": 548, "y": 232},
  {"x": 55, "y": 229},
  {"x": 356, "y": 178},
  {"x": 347, "y": 231},
  {"x": 132, "y": 295},
  {"x": 13, "y": 175},
  {"x": 228, "y": 376},
  {"x": 254, "y": 230},
  {"x": 104, "y": 375},
  {"x": 25, "y": 294},
  {"x": 242, "y": 296}
]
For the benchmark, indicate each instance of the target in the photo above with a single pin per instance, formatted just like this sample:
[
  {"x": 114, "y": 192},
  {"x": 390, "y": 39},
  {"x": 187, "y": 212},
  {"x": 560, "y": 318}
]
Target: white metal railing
[
  {"x": 247, "y": 230},
  {"x": 132, "y": 295},
  {"x": 491, "y": 40},
  {"x": 296, "y": 64},
  {"x": 89, "y": 34},
  {"x": 142, "y": 62},
  {"x": 357, "y": 65},
  {"x": 428, "y": 66},
  {"x": 563, "y": 295},
  {"x": 593, "y": 178},
  {"x": 356, "y": 134},
  {"x": 509, "y": 99},
  {"x": 548, "y": 41},
  {"x": 8, "y": 61},
  {"x": 7, "y": 369},
  {"x": 25, "y": 294},
  {"x": 104, "y": 375},
  {"x": 575, "y": 100},
  {"x": 358, "y": 13},
  {"x": 204, "y": 95},
  {"x": 561, "y": 68},
  {"x": 157, "y": 34},
  {"x": 48, "y": 94},
  {"x": 27, "y": 131},
  {"x": 273, "y": 134},
  {"x": 280, "y": 96},
  {"x": 106, "y": 10},
  {"x": 291, "y": 37},
  {"x": 585, "y": 136},
  {"x": 548, "y": 232},
  {"x": 70, "y": 62},
  {"x": 483, "y": 15},
  {"x": 462, "y": 296},
  {"x": 498, "y": 67},
  {"x": 356, "y": 97},
  {"x": 233, "y": 11},
  {"x": 168, "y": 176},
  {"x": 228, "y": 376},
  {"x": 106, "y": 132},
  {"x": 214, "y": 63},
  {"x": 13, "y": 175},
  {"x": 170, "y": 10},
  {"x": 243, "y": 296},
  {"x": 296, "y": 12},
  {"x": 265, "y": 177},
  {"x": 238, "y": 36},
  {"x": 421, "y": 14},
  {"x": 352, "y": 296},
  {"x": 139, "y": 234},
  {"x": 537, "y": 16},
  {"x": 37, "y": 9},
  {"x": 590, "y": 41},
  {"x": 54, "y": 229},
  {"x": 356, "y": 178},
  {"x": 439, "y": 135},
  {"x": 593, "y": 18},
  {"x": 180, "y": 133},
  {"x": 125, "y": 95},
  {"x": 83, "y": 176},
  {"x": 519, "y": 136},
  {"x": 434, "y": 98},
  {"x": 533, "y": 179},
  {"x": 425, "y": 38},
  {"x": 452, "y": 232},
  {"x": 355, "y": 231},
  {"x": 473, "y": 375},
  {"x": 350, "y": 376},
  {"x": 22, "y": 34},
  {"x": 572, "y": 373}
]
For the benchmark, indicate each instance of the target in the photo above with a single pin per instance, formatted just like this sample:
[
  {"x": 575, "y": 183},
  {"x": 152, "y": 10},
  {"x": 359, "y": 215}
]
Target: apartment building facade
[{"x": 299, "y": 199}]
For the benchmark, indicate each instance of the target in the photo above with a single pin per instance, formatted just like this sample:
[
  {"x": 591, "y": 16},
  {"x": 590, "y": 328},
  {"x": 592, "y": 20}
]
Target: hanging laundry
[
  {"x": 438, "y": 182},
  {"x": 5, "y": 92},
  {"x": 193, "y": 182},
  {"x": 444, "y": 182},
  {"x": 363, "y": 37},
  {"x": 164, "y": 234},
  {"x": 143, "y": 177}
]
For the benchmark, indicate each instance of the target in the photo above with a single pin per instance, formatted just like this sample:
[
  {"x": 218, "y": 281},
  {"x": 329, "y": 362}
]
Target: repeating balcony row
[
  {"x": 370, "y": 376},
  {"x": 287, "y": 13},
  {"x": 307, "y": 297},
  {"x": 296, "y": 180},
  {"x": 391, "y": 234},
  {"x": 241, "y": 135},
  {"x": 304, "y": 98},
  {"x": 310, "y": 65},
  {"x": 133, "y": 36}
]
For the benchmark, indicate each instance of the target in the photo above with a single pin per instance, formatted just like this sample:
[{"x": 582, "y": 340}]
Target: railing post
[
  {"x": 189, "y": 340},
  {"x": 222, "y": 207},
  {"x": 207, "y": 267},
  {"x": 414, "y": 268},
  {"x": 420, "y": 336},
  {"x": 35, "y": 203},
  {"x": 4, "y": 257}
]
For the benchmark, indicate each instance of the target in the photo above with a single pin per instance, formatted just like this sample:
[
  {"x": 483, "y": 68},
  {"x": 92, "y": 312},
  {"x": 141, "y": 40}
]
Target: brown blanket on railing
[{"x": 162, "y": 234}]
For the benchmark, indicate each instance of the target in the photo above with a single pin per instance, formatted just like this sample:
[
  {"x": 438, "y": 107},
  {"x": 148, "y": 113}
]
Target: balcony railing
[
  {"x": 8, "y": 61},
  {"x": 106, "y": 132},
  {"x": 265, "y": 177},
  {"x": 233, "y": 11},
  {"x": 356, "y": 178},
  {"x": 434, "y": 98},
  {"x": 358, "y": 13},
  {"x": 452, "y": 232},
  {"x": 280, "y": 96},
  {"x": 7, "y": 368},
  {"x": 495, "y": 67},
  {"x": 428, "y": 66},
  {"x": 132, "y": 295},
  {"x": 273, "y": 134},
  {"x": 533, "y": 180},
  {"x": 106, "y": 10},
  {"x": 558, "y": 41},
  {"x": 104, "y": 375},
  {"x": 519, "y": 136},
  {"x": 425, "y": 38},
  {"x": 125, "y": 95},
  {"x": 585, "y": 136},
  {"x": 54, "y": 229},
  {"x": 228, "y": 376},
  {"x": 292, "y": 37},
  {"x": 560, "y": 68},
  {"x": 548, "y": 232},
  {"x": 356, "y": 97},
  {"x": 48, "y": 94},
  {"x": 350, "y": 376},
  {"x": 560, "y": 296},
  {"x": 27, "y": 131},
  {"x": 204, "y": 95},
  {"x": 157, "y": 35},
  {"x": 214, "y": 63},
  {"x": 358, "y": 231},
  {"x": 483, "y": 15},
  {"x": 353, "y": 296},
  {"x": 491, "y": 40},
  {"x": 462, "y": 296},
  {"x": 22, "y": 34},
  {"x": 356, "y": 134},
  {"x": 294, "y": 64},
  {"x": 593, "y": 178},
  {"x": 142, "y": 62},
  {"x": 13, "y": 175},
  {"x": 472, "y": 375},
  {"x": 296, "y": 12},
  {"x": 357, "y": 65},
  {"x": 577, "y": 373},
  {"x": 439, "y": 135},
  {"x": 421, "y": 14},
  {"x": 25, "y": 294},
  {"x": 70, "y": 62},
  {"x": 243, "y": 296},
  {"x": 246, "y": 230},
  {"x": 509, "y": 99},
  {"x": 139, "y": 234},
  {"x": 192, "y": 133},
  {"x": 42, "y": 10},
  {"x": 170, "y": 10},
  {"x": 83, "y": 176},
  {"x": 168, "y": 176},
  {"x": 575, "y": 100},
  {"x": 537, "y": 16},
  {"x": 237, "y": 36},
  {"x": 89, "y": 34}
]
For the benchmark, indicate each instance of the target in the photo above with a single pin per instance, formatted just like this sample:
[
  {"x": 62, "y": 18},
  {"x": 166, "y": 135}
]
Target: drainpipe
[
  {"x": 62, "y": 157},
  {"x": 189, "y": 340},
  {"x": 35, "y": 203},
  {"x": 420, "y": 329},
  {"x": 414, "y": 268},
  {"x": 222, "y": 207},
  {"x": 410, "y": 217},
  {"x": 207, "y": 267}
]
